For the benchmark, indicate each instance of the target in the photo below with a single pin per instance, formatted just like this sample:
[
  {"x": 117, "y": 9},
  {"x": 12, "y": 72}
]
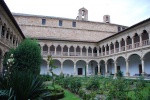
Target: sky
[{"x": 123, "y": 12}]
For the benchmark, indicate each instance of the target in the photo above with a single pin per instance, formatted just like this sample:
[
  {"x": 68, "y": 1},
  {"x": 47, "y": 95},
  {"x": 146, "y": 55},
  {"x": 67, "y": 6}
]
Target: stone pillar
[
  {"x": 87, "y": 69},
  {"x": 114, "y": 48},
  {"x": 140, "y": 39},
  {"x": 75, "y": 51},
  {"x": 92, "y": 52},
  {"x": 55, "y": 51},
  {"x": 61, "y": 68},
  {"x": 61, "y": 50},
  {"x": 106, "y": 70},
  {"x": 75, "y": 71},
  {"x": 132, "y": 42},
  {"x": 143, "y": 67},
  {"x": 87, "y": 52},
  {"x": 105, "y": 51},
  {"x": 80, "y": 51},
  {"x": 97, "y": 52},
  {"x": 125, "y": 45},
  {"x": 99, "y": 73},
  {"x": 119, "y": 46},
  {"x": 109, "y": 49},
  {"x": 48, "y": 53},
  {"x": 68, "y": 51},
  {"x": 48, "y": 71},
  {"x": 127, "y": 68},
  {"x": 115, "y": 66}
]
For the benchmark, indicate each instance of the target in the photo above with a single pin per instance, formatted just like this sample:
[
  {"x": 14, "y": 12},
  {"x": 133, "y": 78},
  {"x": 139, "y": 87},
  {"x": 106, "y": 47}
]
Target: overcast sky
[{"x": 124, "y": 12}]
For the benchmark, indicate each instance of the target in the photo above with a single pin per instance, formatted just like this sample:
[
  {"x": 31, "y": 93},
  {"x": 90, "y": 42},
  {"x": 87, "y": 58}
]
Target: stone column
[
  {"x": 114, "y": 48},
  {"x": 99, "y": 73},
  {"x": 92, "y": 52},
  {"x": 61, "y": 68},
  {"x": 143, "y": 67},
  {"x": 48, "y": 71},
  {"x": 75, "y": 51},
  {"x": 106, "y": 70},
  {"x": 97, "y": 52},
  {"x": 61, "y": 51},
  {"x": 55, "y": 51},
  {"x": 127, "y": 68},
  {"x": 48, "y": 53},
  {"x": 87, "y": 52},
  {"x": 132, "y": 42},
  {"x": 119, "y": 46},
  {"x": 75, "y": 71},
  {"x": 115, "y": 66},
  {"x": 80, "y": 51},
  {"x": 125, "y": 45},
  {"x": 140, "y": 39},
  {"x": 87, "y": 69},
  {"x": 68, "y": 51},
  {"x": 105, "y": 51}
]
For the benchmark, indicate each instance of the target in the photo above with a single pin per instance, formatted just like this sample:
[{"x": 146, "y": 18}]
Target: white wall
[
  {"x": 134, "y": 62},
  {"x": 121, "y": 62},
  {"x": 68, "y": 67},
  {"x": 43, "y": 69}
]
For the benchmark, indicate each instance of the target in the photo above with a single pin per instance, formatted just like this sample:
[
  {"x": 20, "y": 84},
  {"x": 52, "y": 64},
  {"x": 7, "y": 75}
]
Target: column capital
[{"x": 142, "y": 58}]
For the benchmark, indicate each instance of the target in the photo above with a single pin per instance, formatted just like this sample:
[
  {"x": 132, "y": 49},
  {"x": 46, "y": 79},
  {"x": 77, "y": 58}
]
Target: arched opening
[
  {"x": 57, "y": 70},
  {"x": 103, "y": 50},
  {"x": 3, "y": 30},
  {"x": 84, "y": 51},
  {"x": 102, "y": 67},
  {"x": 71, "y": 51},
  {"x": 110, "y": 67},
  {"x": 14, "y": 39},
  {"x": 45, "y": 49},
  {"x": 117, "y": 46},
  {"x": 112, "y": 48},
  {"x": 129, "y": 43},
  {"x": 147, "y": 63},
  {"x": 135, "y": 67},
  {"x": 89, "y": 51},
  {"x": 107, "y": 49},
  {"x": 122, "y": 45},
  {"x": 68, "y": 67},
  {"x": 93, "y": 67},
  {"x": 78, "y": 51},
  {"x": 43, "y": 69},
  {"x": 81, "y": 67},
  {"x": 136, "y": 40},
  {"x": 65, "y": 50},
  {"x": 95, "y": 51},
  {"x": 58, "y": 50},
  {"x": 121, "y": 65},
  {"x": 7, "y": 34},
  {"x": 145, "y": 38},
  {"x": 100, "y": 51}
]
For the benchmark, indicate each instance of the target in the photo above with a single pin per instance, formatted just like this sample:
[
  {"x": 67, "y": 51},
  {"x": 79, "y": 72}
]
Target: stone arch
[
  {"x": 102, "y": 67},
  {"x": 78, "y": 51},
  {"x": 81, "y": 67},
  {"x": 122, "y": 44},
  {"x": 89, "y": 51},
  {"x": 68, "y": 67},
  {"x": 45, "y": 49},
  {"x": 93, "y": 67},
  {"x": 110, "y": 66},
  {"x": 95, "y": 51},
  {"x": 58, "y": 50},
  {"x": 121, "y": 64},
  {"x": 134, "y": 61},
  {"x": 145, "y": 38},
  {"x": 146, "y": 62},
  {"x": 43, "y": 68},
  {"x": 134, "y": 53},
  {"x": 57, "y": 63},
  {"x": 84, "y": 51}
]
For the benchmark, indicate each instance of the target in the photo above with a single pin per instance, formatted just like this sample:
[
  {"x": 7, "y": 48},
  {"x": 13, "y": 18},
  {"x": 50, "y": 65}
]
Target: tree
[{"x": 28, "y": 56}]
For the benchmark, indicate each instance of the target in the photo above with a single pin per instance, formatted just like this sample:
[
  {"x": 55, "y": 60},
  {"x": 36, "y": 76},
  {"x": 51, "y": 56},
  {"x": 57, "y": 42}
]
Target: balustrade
[
  {"x": 129, "y": 46},
  {"x": 95, "y": 54},
  {"x": 123, "y": 48},
  {"x": 107, "y": 52},
  {"x": 136, "y": 45},
  {"x": 145, "y": 42},
  {"x": 112, "y": 51},
  {"x": 65, "y": 53},
  {"x": 89, "y": 54},
  {"x": 52, "y": 53},
  {"x": 78, "y": 53},
  {"x": 117, "y": 50}
]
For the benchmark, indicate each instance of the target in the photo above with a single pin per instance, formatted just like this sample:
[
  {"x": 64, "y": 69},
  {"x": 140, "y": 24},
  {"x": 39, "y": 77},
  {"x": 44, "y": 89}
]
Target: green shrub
[
  {"x": 28, "y": 56},
  {"x": 93, "y": 84}
]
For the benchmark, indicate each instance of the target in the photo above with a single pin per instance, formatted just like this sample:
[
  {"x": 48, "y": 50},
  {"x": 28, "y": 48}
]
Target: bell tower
[
  {"x": 83, "y": 14},
  {"x": 106, "y": 18}
]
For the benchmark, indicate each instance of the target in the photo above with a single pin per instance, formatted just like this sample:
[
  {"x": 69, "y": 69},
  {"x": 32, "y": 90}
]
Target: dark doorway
[
  {"x": 79, "y": 71},
  {"x": 118, "y": 68},
  {"x": 140, "y": 69},
  {"x": 96, "y": 70}
]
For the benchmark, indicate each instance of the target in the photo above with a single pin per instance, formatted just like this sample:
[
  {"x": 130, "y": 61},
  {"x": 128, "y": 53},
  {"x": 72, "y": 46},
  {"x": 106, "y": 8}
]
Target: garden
[{"x": 21, "y": 80}]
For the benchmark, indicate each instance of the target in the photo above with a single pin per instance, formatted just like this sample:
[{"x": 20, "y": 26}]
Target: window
[
  {"x": 60, "y": 22},
  {"x": 43, "y": 21},
  {"x": 73, "y": 24},
  {"x": 119, "y": 28}
]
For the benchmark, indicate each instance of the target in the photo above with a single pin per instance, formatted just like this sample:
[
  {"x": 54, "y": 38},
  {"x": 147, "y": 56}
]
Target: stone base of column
[
  {"x": 99, "y": 74},
  {"x": 127, "y": 74},
  {"x": 106, "y": 74},
  {"x": 143, "y": 74}
]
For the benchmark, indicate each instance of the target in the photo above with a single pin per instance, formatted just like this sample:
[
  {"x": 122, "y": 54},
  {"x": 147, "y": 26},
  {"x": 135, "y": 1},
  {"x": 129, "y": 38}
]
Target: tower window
[
  {"x": 60, "y": 22},
  {"x": 73, "y": 24},
  {"x": 43, "y": 21}
]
